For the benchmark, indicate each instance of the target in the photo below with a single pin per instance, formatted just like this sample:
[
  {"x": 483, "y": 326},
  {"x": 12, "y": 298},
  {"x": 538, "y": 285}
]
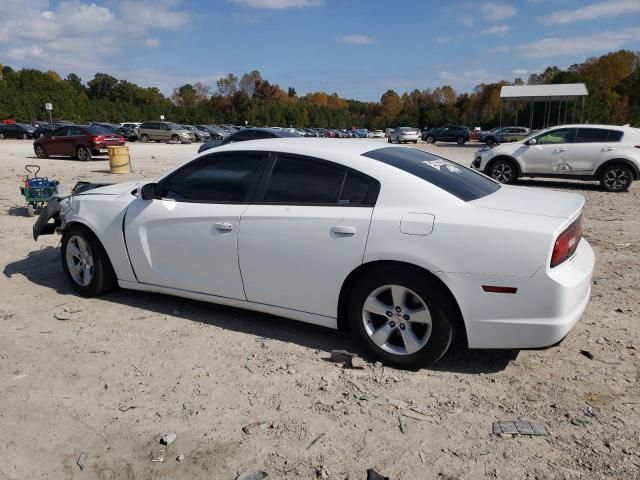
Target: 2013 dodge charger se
[{"x": 403, "y": 248}]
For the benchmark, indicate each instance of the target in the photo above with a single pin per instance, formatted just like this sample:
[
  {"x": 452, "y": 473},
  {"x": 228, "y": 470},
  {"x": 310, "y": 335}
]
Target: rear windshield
[
  {"x": 451, "y": 177},
  {"x": 97, "y": 130}
]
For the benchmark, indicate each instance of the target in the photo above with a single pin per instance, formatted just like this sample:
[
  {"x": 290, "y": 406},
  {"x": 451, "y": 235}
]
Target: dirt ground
[{"x": 110, "y": 376}]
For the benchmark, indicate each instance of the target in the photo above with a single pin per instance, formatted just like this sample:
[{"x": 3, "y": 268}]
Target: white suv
[{"x": 606, "y": 153}]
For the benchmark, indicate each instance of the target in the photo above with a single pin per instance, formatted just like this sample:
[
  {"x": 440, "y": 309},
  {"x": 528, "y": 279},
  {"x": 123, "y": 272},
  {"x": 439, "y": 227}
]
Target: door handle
[
  {"x": 343, "y": 230},
  {"x": 562, "y": 149},
  {"x": 608, "y": 149},
  {"x": 223, "y": 227}
]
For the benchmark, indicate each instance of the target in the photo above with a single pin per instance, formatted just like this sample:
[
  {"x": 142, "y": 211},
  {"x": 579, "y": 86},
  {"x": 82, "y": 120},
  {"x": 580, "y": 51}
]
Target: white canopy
[{"x": 543, "y": 93}]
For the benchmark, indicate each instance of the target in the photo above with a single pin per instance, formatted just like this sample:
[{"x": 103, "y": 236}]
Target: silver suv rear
[{"x": 164, "y": 132}]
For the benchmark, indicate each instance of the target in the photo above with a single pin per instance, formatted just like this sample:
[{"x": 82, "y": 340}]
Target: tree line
[{"x": 613, "y": 81}]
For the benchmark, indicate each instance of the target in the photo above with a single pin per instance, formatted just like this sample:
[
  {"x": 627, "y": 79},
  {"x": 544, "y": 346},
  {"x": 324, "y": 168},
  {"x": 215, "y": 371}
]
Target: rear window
[
  {"x": 598, "y": 135},
  {"x": 451, "y": 177},
  {"x": 96, "y": 130}
]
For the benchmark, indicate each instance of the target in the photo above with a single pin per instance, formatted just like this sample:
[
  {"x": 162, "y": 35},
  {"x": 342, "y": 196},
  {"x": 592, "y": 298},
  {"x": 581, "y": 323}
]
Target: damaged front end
[{"x": 55, "y": 210}]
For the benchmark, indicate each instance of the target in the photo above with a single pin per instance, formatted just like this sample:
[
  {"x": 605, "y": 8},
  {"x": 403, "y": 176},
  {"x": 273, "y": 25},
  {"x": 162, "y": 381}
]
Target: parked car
[
  {"x": 404, "y": 134},
  {"x": 449, "y": 133},
  {"x": 199, "y": 135},
  {"x": 17, "y": 130},
  {"x": 371, "y": 238},
  {"x": 164, "y": 132},
  {"x": 79, "y": 141},
  {"x": 607, "y": 153},
  {"x": 46, "y": 129},
  {"x": 504, "y": 134},
  {"x": 248, "y": 134},
  {"x": 128, "y": 133},
  {"x": 378, "y": 134},
  {"x": 214, "y": 132},
  {"x": 132, "y": 125}
]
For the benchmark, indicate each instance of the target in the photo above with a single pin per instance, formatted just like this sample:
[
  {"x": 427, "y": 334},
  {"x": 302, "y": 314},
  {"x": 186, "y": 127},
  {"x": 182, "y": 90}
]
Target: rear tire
[
  {"x": 503, "y": 171},
  {"x": 25, "y": 136},
  {"x": 144, "y": 138},
  {"x": 431, "y": 139},
  {"x": 31, "y": 212},
  {"x": 175, "y": 138},
  {"x": 402, "y": 317},
  {"x": 2, "y": 136},
  {"x": 83, "y": 154},
  {"x": 616, "y": 178},
  {"x": 490, "y": 140},
  {"x": 460, "y": 140},
  {"x": 85, "y": 263}
]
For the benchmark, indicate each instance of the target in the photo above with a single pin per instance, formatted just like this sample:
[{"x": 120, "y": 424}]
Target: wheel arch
[
  {"x": 86, "y": 226},
  {"x": 359, "y": 272},
  {"x": 619, "y": 161}
]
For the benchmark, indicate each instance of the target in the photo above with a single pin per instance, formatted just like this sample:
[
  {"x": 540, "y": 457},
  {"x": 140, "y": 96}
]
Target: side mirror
[
  {"x": 148, "y": 191},
  {"x": 533, "y": 141}
]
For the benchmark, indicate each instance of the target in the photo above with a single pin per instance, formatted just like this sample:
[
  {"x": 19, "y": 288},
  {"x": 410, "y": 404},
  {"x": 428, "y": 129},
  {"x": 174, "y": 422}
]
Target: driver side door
[
  {"x": 551, "y": 152},
  {"x": 187, "y": 238}
]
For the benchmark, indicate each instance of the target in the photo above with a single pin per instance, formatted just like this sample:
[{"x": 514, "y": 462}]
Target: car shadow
[
  {"x": 43, "y": 268},
  {"x": 455, "y": 145}
]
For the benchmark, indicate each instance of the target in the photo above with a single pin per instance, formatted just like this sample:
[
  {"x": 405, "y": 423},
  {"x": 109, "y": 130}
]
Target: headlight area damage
[{"x": 43, "y": 225}]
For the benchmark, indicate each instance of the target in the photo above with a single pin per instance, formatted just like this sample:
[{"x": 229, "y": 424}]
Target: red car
[{"x": 79, "y": 141}]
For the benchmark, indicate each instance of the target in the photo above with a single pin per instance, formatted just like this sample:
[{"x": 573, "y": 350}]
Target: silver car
[
  {"x": 404, "y": 134},
  {"x": 164, "y": 132}
]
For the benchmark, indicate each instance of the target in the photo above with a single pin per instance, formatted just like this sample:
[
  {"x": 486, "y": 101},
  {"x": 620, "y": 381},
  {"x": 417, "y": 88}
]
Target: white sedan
[{"x": 401, "y": 247}]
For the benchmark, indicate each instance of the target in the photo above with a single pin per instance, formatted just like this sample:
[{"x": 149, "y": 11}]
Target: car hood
[
  {"x": 533, "y": 201},
  {"x": 115, "y": 189}
]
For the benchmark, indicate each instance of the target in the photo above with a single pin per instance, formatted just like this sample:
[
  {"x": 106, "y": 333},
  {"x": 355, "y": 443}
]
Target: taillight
[
  {"x": 97, "y": 139},
  {"x": 567, "y": 243}
]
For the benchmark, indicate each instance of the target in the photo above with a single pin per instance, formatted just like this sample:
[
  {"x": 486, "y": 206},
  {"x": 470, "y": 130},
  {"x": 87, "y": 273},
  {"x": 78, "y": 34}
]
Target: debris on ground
[
  {"x": 341, "y": 356},
  {"x": 400, "y": 424},
  {"x": 247, "y": 428},
  {"x": 357, "y": 362},
  {"x": 62, "y": 316},
  {"x": 82, "y": 460},
  {"x": 587, "y": 354},
  {"x": 315, "y": 440},
  {"x": 373, "y": 475},
  {"x": 256, "y": 475},
  {"x": 125, "y": 408},
  {"x": 518, "y": 427},
  {"x": 168, "y": 439},
  {"x": 180, "y": 457}
]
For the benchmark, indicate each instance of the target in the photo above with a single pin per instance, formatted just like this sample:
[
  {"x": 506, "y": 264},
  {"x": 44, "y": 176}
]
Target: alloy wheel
[
  {"x": 616, "y": 179},
  {"x": 502, "y": 172},
  {"x": 79, "y": 260},
  {"x": 397, "y": 320}
]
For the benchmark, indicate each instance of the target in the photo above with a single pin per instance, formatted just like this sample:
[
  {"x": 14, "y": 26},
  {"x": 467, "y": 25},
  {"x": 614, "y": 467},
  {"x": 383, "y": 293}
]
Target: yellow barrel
[{"x": 119, "y": 160}]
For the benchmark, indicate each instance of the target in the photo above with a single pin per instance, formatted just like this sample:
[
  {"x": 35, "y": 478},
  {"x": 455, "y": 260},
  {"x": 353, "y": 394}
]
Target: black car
[
  {"x": 46, "y": 129},
  {"x": 248, "y": 134},
  {"x": 17, "y": 130},
  {"x": 127, "y": 132},
  {"x": 448, "y": 133}
]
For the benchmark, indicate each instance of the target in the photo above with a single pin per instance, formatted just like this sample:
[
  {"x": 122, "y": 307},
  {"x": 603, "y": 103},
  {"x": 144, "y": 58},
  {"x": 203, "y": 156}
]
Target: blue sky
[{"x": 356, "y": 48}]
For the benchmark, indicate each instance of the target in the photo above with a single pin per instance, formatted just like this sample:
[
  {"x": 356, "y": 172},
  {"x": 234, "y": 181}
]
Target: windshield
[
  {"x": 451, "y": 177},
  {"x": 174, "y": 126}
]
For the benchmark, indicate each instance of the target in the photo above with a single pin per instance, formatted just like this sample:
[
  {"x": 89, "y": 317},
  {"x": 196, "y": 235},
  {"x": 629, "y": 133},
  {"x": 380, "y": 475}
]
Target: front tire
[
  {"x": 40, "y": 152},
  {"x": 431, "y": 139},
  {"x": 490, "y": 141},
  {"x": 503, "y": 171},
  {"x": 144, "y": 138},
  {"x": 85, "y": 263},
  {"x": 2, "y": 136},
  {"x": 616, "y": 178},
  {"x": 25, "y": 136},
  {"x": 402, "y": 317},
  {"x": 460, "y": 140},
  {"x": 175, "y": 138}
]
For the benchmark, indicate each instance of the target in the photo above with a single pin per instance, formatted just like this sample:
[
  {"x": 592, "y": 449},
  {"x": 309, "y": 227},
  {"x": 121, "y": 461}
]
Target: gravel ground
[{"x": 110, "y": 376}]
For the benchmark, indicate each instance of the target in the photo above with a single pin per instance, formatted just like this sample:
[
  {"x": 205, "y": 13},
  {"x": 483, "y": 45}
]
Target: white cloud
[
  {"x": 496, "y": 30},
  {"x": 520, "y": 72},
  {"x": 496, "y": 12},
  {"x": 279, "y": 4},
  {"x": 598, "y": 42},
  {"x": 152, "y": 43},
  {"x": 443, "y": 40},
  {"x": 609, "y": 8},
  {"x": 78, "y": 35},
  {"x": 467, "y": 21},
  {"x": 356, "y": 39},
  {"x": 468, "y": 78}
]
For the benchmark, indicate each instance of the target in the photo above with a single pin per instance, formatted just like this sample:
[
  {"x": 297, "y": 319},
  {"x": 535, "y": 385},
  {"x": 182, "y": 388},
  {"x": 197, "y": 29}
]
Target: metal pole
[
  {"x": 516, "y": 116},
  {"x": 566, "y": 107},
  {"x": 500, "y": 116},
  {"x": 544, "y": 115},
  {"x": 51, "y": 120},
  {"x": 582, "y": 114},
  {"x": 559, "y": 110},
  {"x": 575, "y": 102},
  {"x": 531, "y": 115}
]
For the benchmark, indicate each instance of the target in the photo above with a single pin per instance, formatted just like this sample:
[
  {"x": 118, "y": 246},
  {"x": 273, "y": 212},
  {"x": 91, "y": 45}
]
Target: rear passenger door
[
  {"x": 550, "y": 154},
  {"x": 305, "y": 233},
  {"x": 592, "y": 147}
]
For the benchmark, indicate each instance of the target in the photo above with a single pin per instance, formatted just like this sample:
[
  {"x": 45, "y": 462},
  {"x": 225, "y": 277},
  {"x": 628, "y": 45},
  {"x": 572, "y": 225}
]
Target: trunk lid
[{"x": 533, "y": 201}]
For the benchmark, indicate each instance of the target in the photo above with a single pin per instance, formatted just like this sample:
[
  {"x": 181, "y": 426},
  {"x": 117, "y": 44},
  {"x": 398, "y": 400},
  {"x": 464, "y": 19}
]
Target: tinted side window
[
  {"x": 299, "y": 181},
  {"x": 241, "y": 136},
  {"x": 592, "y": 135},
  {"x": 217, "y": 179},
  {"x": 61, "y": 132},
  {"x": 74, "y": 131},
  {"x": 614, "y": 136},
  {"x": 355, "y": 189},
  {"x": 258, "y": 134}
]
